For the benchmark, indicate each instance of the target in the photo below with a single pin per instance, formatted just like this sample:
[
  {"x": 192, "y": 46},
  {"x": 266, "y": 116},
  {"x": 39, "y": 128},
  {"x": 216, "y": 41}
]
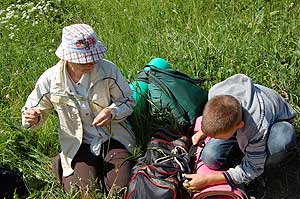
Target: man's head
[{"x": 222, "y": 116}]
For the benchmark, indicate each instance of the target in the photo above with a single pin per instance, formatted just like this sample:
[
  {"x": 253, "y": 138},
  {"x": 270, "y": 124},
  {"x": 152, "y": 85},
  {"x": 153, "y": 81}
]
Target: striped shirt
[{"x": 262, "y": 107}]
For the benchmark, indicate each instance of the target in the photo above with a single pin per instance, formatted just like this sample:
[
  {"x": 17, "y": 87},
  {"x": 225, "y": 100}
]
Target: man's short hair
[{"x": 221, "y": 113}]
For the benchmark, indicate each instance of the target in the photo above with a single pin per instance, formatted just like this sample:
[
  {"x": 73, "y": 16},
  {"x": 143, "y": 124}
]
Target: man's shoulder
[{"x": 236, "y": 85}]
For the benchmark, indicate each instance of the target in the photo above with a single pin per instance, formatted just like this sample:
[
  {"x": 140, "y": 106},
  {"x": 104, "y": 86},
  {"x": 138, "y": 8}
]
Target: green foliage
[{"x": 205, "y": 39}]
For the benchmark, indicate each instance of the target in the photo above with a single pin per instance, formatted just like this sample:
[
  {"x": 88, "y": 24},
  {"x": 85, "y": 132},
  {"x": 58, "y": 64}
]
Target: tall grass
[{"x": 204, "y": 39}]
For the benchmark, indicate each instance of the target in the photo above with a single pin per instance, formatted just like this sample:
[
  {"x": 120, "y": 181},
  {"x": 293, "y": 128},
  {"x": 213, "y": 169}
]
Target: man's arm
[{"x": 199, "y": 181}]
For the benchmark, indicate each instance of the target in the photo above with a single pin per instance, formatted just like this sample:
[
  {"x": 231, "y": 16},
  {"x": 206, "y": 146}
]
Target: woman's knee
[{"x": 118, "y": 176}]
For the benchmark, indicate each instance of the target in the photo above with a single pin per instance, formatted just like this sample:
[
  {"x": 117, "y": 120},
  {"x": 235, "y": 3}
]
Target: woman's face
[{"x": 82, "y": 68}]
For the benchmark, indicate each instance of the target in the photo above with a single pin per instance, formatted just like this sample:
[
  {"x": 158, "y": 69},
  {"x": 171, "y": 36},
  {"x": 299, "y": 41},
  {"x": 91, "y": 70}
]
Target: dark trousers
[{"x": 111, "y": 168}]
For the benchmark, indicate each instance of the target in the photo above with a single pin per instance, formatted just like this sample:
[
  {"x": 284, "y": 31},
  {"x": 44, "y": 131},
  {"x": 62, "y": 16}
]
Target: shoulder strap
[
  {"x": 142, "y": 76},
  {"x": 177, "y": 74},
  {"x": 167, "y": 91}
]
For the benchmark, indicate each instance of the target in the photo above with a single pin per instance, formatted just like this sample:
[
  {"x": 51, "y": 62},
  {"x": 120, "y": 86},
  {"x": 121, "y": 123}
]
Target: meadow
[{"x": 207, "y": 39}]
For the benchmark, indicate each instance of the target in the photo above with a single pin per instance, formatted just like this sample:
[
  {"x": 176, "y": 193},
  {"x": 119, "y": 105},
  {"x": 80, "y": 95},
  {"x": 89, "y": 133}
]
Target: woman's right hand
[
  {"x": 103, "y": 118},
  {"x": 198, "y": 138},
  {"x": 32, "y": 116}
]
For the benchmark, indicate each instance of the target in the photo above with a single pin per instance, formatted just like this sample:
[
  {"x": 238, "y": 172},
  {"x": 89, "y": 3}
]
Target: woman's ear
[{"x": 240, "y": 125}]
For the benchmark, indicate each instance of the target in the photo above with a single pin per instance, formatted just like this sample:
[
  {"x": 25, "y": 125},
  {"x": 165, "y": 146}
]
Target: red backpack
[{"x": 158, "y": 174}]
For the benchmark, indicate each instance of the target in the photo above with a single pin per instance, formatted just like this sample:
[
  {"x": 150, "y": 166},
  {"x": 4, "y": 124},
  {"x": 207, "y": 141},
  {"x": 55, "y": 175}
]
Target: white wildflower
[
  {"x": 35, "y": 23},
  {"x": 11, "y": 35},
  {"x": 3, "y": 22},
  {"x": 24, "y": 15},
  {"x": 32, "y": 9},
  {"x": 10, "y": 14}
]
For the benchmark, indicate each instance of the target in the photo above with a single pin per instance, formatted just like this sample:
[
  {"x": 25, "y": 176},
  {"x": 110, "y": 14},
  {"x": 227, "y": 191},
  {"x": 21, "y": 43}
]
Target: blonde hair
[{"x": 221, "y": 113}]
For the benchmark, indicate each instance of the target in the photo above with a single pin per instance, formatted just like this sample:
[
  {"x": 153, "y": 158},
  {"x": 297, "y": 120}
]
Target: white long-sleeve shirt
[{"x": 107, "y": 88}]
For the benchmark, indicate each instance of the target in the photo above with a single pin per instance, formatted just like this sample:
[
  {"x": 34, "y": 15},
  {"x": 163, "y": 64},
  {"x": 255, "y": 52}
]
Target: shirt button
[{"x": 86, "y": 114}]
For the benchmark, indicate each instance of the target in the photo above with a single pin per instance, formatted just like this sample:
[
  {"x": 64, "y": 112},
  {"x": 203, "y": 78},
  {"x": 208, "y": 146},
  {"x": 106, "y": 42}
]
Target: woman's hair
[{"x": 221, "y": 113}]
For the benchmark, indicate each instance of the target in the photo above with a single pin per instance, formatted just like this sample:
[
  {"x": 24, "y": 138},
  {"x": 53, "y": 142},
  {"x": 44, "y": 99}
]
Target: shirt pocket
[
  {"x": 67, "y": 115},
  {"x": 98, "y": 103}
]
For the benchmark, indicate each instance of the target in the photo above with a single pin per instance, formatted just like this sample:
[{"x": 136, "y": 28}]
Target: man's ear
[{"x": 240, "y": 125}]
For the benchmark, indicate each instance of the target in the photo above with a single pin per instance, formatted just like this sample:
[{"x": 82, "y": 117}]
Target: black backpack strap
[{"x": 142, "y": 76}]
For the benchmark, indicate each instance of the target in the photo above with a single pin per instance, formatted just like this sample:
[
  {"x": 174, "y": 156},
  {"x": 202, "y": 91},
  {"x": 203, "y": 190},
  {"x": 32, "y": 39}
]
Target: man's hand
[
  {"x": 198, "y": 138},
  {"x": 200, "y": 181},
  {"x": 195, "y": 181},
  {"x": 103, "y": 118},
  {"x": 32, "y": 116}
]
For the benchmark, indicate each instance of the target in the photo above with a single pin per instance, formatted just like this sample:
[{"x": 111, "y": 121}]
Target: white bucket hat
[{"x": 80, "y": 45}]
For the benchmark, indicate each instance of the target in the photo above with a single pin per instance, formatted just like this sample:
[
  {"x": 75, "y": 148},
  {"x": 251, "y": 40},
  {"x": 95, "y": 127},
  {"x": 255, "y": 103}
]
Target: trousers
[{"x": 111, "y": 168}]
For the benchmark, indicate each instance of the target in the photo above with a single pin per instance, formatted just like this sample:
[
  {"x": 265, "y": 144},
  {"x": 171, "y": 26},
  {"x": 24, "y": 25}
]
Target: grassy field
[{"x": 204, "y": 39}]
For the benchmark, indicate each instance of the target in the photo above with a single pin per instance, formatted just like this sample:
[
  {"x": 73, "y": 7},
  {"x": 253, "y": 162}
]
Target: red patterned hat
[{"x": 80, "y": 45}]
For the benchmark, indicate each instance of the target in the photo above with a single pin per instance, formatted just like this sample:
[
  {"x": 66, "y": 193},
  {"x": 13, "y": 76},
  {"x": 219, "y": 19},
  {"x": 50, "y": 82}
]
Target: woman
[{"x": 92, "y": 100}]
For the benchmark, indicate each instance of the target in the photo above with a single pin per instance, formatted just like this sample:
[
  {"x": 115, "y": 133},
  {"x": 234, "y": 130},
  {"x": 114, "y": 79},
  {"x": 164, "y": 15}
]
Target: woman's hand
[
  {"x": 103, "y": 118},
  {"x": 32, "y": 116},
  {"x": 198, "y": 138}
]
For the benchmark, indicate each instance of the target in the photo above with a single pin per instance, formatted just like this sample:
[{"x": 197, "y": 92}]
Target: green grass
[{"x": 204, "y": 39}]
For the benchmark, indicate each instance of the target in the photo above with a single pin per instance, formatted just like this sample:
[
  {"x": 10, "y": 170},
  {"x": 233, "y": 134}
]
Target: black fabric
[{"x": 11, "y": 182}]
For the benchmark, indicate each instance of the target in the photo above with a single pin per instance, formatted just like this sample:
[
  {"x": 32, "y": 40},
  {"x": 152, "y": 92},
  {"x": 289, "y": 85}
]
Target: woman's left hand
[{"x": 103, "y": 118}]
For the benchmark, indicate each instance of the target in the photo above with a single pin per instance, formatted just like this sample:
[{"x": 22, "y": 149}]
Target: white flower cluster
[{"x": 26, "y": 12}]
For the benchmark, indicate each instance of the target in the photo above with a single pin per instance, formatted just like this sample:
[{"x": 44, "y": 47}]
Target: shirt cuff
[
  {"x": 229, "y": 179},
  {"x": 113, "y": 113}
]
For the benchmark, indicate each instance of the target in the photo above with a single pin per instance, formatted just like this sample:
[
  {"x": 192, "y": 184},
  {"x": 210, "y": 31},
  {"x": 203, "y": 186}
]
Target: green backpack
[{"x": 172, "y": 90}]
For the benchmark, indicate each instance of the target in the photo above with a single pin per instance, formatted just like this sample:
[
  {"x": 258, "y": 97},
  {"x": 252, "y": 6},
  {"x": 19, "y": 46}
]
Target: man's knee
[
  {"x": 211, "y": 158},
  {"x": 282, "y": 138}
]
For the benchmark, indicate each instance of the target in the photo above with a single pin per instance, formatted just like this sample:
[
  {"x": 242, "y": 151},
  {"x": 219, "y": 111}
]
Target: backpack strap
[
  {"x": 142, "y": 76},
  {"x": 167, "y": 91},
  {"x": 177, "y": 74}
]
